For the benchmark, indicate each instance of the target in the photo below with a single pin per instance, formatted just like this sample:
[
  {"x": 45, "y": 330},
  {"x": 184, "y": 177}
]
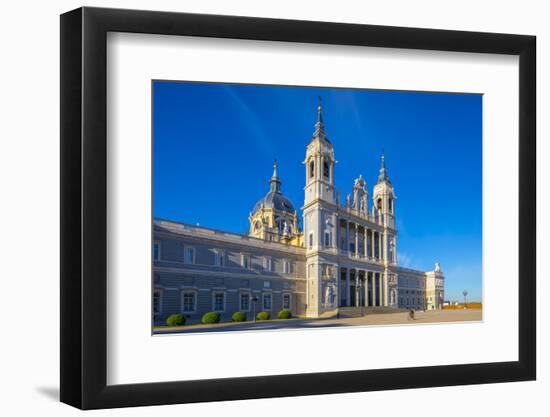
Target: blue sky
[{"x": 214, "y": 146}]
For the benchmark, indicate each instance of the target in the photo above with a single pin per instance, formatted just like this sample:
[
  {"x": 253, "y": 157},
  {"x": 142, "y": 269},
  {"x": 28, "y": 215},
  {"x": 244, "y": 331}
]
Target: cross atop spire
[
  {"x": 383, "y": 176},
  {"x": 320, "y": 125},
  {"x": 275, "y": 182}
]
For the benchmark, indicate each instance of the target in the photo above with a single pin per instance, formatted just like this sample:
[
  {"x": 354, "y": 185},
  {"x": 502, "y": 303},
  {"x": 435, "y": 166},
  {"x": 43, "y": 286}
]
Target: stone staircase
[{"x": 349, "y": 312}]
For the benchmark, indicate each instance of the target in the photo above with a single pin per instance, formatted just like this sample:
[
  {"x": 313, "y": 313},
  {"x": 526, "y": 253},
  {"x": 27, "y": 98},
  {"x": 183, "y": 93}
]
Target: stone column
[
  {"x": 338, "y": 284},
  {"x": 347, "y": 236},
  {"x": 384, "y": 239},
  {"x": 370, "y": 281},
  {"x": 365, "y": 240},
  {"x": 357, "y": 293},
  {"x": 386, "y": 289},
  {"x": 347, "y": 288},
  {"x": 381, "y": 288},
  {"x": 374, "y": 288},
  {"x": 366, "y": 288},
  {"x": 356, "y": 239},
  {"x": 373, "y": 233}
]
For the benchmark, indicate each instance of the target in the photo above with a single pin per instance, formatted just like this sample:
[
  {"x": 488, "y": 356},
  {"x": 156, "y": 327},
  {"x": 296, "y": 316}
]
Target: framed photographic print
[{"x": 258, "y": 208}]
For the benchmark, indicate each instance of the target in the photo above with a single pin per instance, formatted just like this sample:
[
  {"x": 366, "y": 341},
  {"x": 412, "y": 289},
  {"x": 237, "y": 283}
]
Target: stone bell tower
[
  {"x": 320, "y": 221},
  {"x": 383, "y": 210}
]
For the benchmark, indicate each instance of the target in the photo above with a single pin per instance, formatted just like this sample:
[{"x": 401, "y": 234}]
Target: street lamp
[{"x": 254, "y": 301}]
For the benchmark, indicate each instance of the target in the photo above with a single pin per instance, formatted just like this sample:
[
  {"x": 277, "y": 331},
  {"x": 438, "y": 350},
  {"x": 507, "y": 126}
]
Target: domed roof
[{"x": 274, "y": 199}]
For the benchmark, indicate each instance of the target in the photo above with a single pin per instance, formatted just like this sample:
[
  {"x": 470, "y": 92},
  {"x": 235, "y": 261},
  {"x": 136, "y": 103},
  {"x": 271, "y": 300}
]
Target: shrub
[
  {"x": 238, "y": 316},
  {"x": 175, "y": 320},
  {"x": 263, "y": 315},
  {"x": 211, "y": 317},
  {"x": 284, "y": 314}
]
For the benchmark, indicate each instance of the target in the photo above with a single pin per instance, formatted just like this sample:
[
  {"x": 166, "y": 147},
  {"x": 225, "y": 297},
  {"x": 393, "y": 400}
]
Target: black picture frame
[{"x": 84, "y": 207}]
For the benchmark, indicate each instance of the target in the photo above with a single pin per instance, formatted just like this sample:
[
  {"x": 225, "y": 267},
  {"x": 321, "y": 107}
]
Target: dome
[
  {"x": 274, "y": 199},
  {"x": 277, "y": 201}
]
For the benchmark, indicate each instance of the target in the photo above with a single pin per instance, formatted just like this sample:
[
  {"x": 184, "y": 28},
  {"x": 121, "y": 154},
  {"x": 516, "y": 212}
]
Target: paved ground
[{"x": 438, "y": 316}]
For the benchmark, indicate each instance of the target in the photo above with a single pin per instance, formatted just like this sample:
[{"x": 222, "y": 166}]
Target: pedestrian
[{"x": 411, "y": 314}]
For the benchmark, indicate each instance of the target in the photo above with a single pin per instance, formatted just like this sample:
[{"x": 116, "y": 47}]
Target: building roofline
[{"x": 209, "y": 232}]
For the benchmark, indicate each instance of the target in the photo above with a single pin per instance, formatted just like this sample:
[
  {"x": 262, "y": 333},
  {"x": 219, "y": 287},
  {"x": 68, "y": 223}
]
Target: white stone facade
[{"x": 346, "y": 255}]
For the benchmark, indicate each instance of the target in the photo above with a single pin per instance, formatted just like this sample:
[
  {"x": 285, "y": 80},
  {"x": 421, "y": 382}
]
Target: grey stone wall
[
  {"x": 411, "y": 286},
  {"x": 172, "y": 276}
]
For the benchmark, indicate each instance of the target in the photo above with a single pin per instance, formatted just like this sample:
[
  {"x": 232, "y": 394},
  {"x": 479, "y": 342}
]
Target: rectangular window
[
  {"x": 156, "y": 251},
  {"x": 219, "y": 301},
  {"x": 287, "y": 265},
  {"x": 219, "y": 258},
  {"x": 311, "y": 240},
  {"x": 189, "y": 302},
  {"x": 189, "y": 255},
  {"x": 157, "y": 302},
  {"x": 245, "y": 302},
  {"x": 286, "y": 301},
  {"x": 268, "y": 264},
  {"x": 245, "y": 261},
  {"x": 266, "y": 302},
  {"x": 327, "y": 240}
]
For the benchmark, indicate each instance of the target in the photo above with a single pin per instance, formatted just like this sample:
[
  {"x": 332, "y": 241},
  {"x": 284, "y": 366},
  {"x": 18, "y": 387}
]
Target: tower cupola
[{"x": 274, "y": 216}]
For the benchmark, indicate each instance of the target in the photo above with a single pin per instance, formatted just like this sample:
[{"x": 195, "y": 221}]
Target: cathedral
[{"x": 343, "y": 258}]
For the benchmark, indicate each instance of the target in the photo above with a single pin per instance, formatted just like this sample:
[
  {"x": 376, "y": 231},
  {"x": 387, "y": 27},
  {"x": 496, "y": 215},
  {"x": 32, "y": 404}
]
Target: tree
[{"x": 465, "y": 294}]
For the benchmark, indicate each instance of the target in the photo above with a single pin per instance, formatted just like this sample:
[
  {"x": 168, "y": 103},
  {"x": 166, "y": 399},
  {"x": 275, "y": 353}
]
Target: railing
[
  {"x": 377, "y": 219},
  {"x": 359, "y": 256}
]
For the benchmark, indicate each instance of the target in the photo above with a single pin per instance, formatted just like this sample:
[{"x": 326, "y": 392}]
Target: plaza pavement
[{"x": 438, "y": 316}]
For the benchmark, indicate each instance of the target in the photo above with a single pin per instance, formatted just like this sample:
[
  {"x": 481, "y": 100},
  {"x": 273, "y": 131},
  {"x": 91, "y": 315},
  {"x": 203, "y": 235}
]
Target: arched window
[
  {"x": 311, "y": 169},
  {"x": 326, "y": 170},
  {"x": 379, "y": 204}
]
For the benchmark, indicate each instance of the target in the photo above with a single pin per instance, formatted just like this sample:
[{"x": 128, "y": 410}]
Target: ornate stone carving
[{"x": 329, "y": 295}]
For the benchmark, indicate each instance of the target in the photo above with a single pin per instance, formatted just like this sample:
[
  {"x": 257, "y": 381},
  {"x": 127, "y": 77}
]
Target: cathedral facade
[{"x": 343, "y": 258}]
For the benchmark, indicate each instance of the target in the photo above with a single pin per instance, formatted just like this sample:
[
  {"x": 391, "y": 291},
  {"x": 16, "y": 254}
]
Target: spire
[
  {"x": 383, "y": 176},
  {"x": 320, "y": 125},
  {"x": 275, "y": 182}
]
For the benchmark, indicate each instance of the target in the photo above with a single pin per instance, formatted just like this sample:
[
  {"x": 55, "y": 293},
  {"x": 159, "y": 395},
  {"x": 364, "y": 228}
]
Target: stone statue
[
  {"x": 437, "y": 267},
  {"x": 329, "y": 295},
  {"x": 286, "y": 229}
]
